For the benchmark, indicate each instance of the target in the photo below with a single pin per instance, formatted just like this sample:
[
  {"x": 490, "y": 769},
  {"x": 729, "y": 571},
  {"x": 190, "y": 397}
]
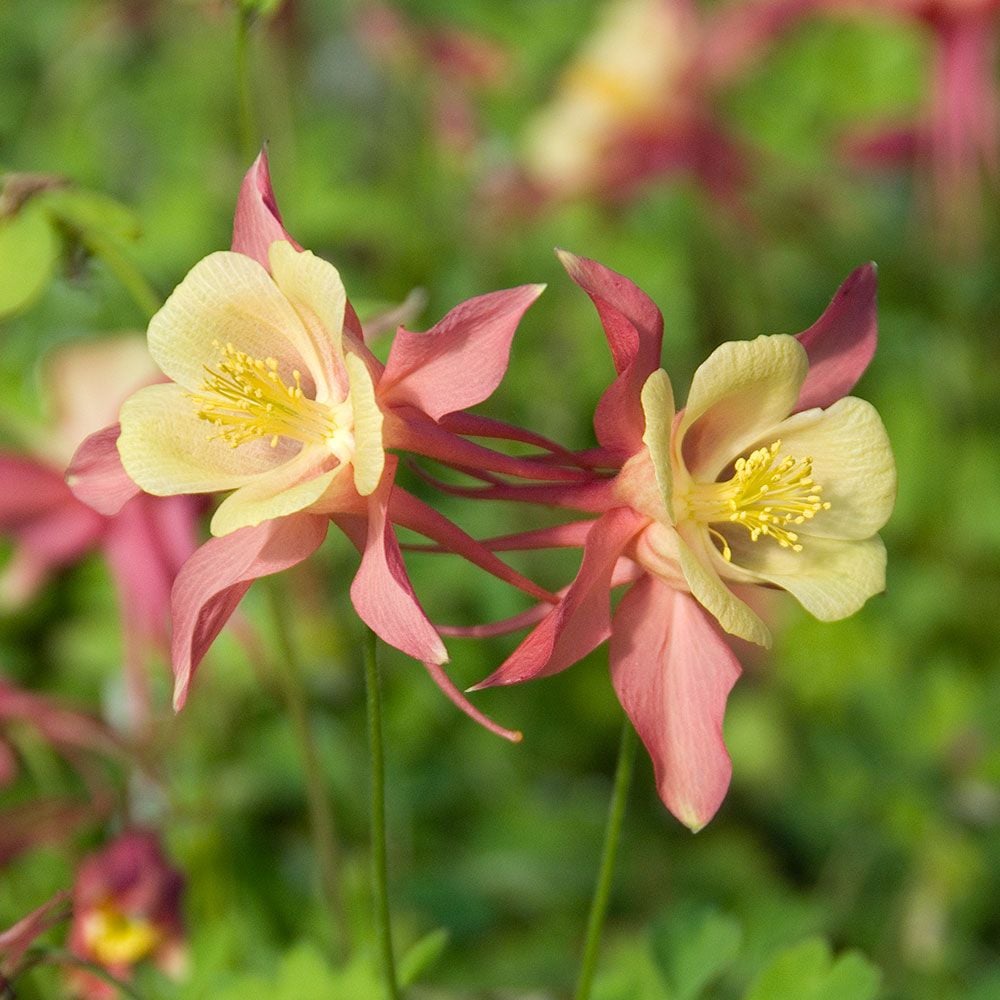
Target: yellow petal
[
  {"x": 369, "y": 453},
  {"x": 286, "y": 490},
  {"x": 830, "y": 578},
  {"x": 228, "y": 298},
  {"x": 713, "y": 595},
  {"x": 658, "y": 407},
  {"x": 167, "y": 448},
  {"x": 852, "y": 460},
  {"x": 737, "y": 396},
  {"x": 313, "y": 287}
]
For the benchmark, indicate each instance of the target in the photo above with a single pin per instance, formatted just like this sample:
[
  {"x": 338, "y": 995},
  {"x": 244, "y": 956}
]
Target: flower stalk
[
  {"x": 609, "y": 855},
  {"x": 380, "y": 882}
]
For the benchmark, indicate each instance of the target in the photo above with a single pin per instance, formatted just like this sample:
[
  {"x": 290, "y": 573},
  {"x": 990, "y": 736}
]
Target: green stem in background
[
  {"x": 55, "y": 956},
  {"x": 380, "y": 882},
  {"x": 248, "y": 120},
  {"x": 320, "y": 812},
  {"x": 612, "y": 835},
  {"x": 131, "y": 278}
]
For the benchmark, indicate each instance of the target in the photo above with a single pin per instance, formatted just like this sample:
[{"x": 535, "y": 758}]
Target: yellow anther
[
  {"x": 764, "y": 496},
  {"x": 246, "y": 399}
]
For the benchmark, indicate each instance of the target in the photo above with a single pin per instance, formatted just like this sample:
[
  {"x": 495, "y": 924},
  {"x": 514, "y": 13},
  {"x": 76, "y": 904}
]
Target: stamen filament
[{"x": 765, "y": 496}]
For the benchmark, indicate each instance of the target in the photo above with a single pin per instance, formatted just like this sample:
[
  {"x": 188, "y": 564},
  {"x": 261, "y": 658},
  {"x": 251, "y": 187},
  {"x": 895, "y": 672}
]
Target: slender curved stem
[
  {"x": 320, "y": 810},
  {"x": 605, "y": 877},
  {"x": 55, "y": 956},
  {"x": 380, "y": 882},
  {"x": 248, "y": 119},
  {"x": 132, "y": 279}
]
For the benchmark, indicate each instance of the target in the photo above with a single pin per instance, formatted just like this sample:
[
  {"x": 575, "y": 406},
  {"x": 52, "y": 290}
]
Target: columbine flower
[
  {"x": 275, "y": 396},
  {"x": 771, "y": 475},
  {"x": 126, "y": 910},
  {"x": 144, "y": 542},
  {"x": 637, "y": 100}
]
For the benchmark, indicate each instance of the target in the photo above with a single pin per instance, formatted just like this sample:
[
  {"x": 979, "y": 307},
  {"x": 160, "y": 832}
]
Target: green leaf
[
  {"x": 29, "y": 249},
  {"x": 91, "y": 214},
  {"x": 422, "y": 956},
  {"x": 807, "y": 971},
  {"x": 693, "y": 945}
]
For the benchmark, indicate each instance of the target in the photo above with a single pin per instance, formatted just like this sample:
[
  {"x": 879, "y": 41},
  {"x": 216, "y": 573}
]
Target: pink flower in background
[
  {"x": 126, "y": 910},
  {"x": 83, "y": 741},
  {"x": 637, "y": 100},
  {"x": 771, "y": 476},
  {"x": 16, "y": 941},
  {"x": 144, "y": 543},
  {"x": 276, "y": 397},
  {"x": 957, "y": 142}
]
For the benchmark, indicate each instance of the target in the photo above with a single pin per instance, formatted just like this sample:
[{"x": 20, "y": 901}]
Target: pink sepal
[
  {"x": 634, "y": 328},
  {"x": 15, "y": 942},
  {"x": 382, "y": 593},
  {"x": 841, "y": 343},
  {"x": 581, "y": 621},
  {"x": 673, "y": 671},
  {"x": 257, "y": 222},
  {"x": 95, "y": 474},
  {"x": 461, "y": 359},
  {"x": 213, "y": 581}
]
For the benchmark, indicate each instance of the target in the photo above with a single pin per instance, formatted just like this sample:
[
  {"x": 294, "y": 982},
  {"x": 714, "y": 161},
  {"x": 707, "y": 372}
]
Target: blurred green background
[{"x": 864, "y": 805}]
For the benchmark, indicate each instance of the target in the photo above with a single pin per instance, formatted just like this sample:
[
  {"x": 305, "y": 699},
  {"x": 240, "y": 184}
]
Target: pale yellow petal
[
  {"x": 369, "y": 452},
  {"x": 313, "y": 287},
  {"x": 228, "y": 299},
  {"x": 831, "y": 578},
  {"x": 732, "y": 614},
  {"x": 737, "y": 396},
  {"x": 658, "y": 407},
  {"x": 167, "y": 448},
  {"x": 852, "y": 461},
  {"x": 286, "y": 490}
]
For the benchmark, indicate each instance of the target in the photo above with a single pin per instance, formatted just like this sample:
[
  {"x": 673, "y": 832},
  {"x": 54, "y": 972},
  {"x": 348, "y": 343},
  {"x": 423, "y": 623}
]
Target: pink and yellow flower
[
  {"x": 275, "y": 396},
  {"x": 770, "y": 476}
]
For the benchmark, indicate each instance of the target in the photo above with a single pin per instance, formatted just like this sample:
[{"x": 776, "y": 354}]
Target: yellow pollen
[
  {"x": 115, "y": 938},
  {"x": 766, "y": 495},
  {"x": 246, "y": 399}
]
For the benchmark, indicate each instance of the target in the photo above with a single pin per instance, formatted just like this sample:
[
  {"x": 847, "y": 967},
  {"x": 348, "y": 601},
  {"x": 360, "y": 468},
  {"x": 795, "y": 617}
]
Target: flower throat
[{"x": 766, "y": 495}]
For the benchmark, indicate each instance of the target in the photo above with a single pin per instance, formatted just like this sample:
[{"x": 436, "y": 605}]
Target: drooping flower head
[
  {"x": 770, "y": 476},
  {"x": 275, "y": 397}
]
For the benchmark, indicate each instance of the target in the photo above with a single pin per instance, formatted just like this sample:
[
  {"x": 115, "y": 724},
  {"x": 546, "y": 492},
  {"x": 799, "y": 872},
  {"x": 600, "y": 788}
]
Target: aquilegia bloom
[
  {"x": 275, "y": 396},
  {"x": 770, "y": 476}
]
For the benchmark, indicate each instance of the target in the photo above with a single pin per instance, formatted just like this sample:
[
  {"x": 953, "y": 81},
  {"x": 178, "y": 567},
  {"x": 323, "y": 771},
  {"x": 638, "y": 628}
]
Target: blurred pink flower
[
  {"x": 637, "y": 100},
  {"x": 83, "y": 741},
  {"x": 17, "y": 940},
  {"x": 277, "y": 397},
  {"x": 771, "y": 476},
  {"x": 957, "y": 142},
  {"x": 126, "y": 910}
]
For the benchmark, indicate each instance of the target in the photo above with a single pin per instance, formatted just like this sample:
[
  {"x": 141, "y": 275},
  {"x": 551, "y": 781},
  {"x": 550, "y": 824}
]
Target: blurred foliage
[{"x": 864, "y": 813}]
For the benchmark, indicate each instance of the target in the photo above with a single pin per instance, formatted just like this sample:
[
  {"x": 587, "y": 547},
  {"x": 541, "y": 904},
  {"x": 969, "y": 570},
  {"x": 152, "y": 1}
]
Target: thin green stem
[
  {"x": 131, "y": 278},
  {"x": 605, "y": 877},
  {"x": 55, "y": 956},
  {"x": 248, "y": 119},
  {"x": 380, "y": 881},
  {"x": 320, "y": 810}
]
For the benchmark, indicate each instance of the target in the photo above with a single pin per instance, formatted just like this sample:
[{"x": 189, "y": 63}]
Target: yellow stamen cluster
[
  {"x": 766, "y": 494},
  {"x": 115, "y": 938},
  {"x": 246, "y": 399}
]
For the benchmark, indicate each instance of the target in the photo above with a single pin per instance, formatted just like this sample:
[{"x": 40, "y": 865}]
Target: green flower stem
[
  {"x": 247, "y": 117},
  {"x": 55, "y": 956},
  {"x": 320, "y": 810},
  {"x": 131, "y": 278},
  {"x": 612, "y": 835},
  {"x": 380, "y": 882}
]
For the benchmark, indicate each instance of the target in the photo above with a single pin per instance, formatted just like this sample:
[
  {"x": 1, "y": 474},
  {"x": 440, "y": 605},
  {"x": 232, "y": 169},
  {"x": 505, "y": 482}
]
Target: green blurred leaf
[
  {"x": 89, "y": 213},
  {"x": 807, "y": 971},
  {"x": 29, "y": 249},
  {"x": 693, "y": 945},
  {"x": 422, "y": 956}
]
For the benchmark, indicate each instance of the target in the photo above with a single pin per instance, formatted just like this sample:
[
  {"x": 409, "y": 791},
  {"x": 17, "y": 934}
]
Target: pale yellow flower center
[
  {"x": 766, "y": 495},
  {"x": 246, "y": 398},
  {"x": 115, "y": 938}
]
